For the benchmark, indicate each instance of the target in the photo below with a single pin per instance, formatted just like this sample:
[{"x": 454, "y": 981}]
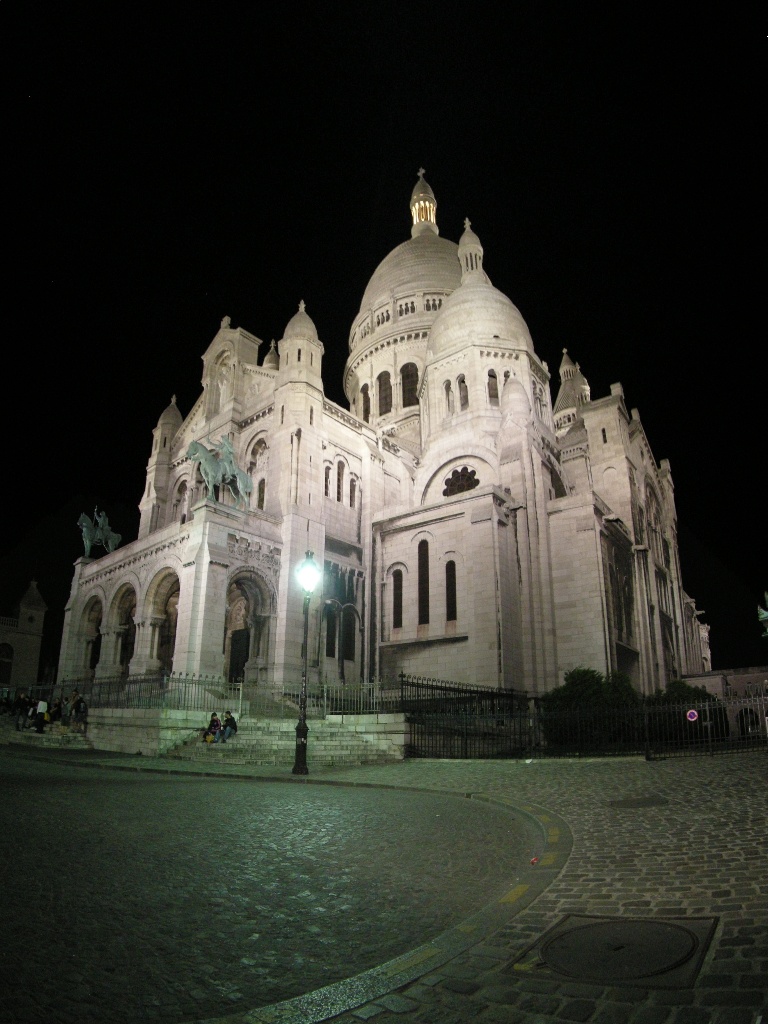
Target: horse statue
[
  {"x": 217, "y": 470},
  {"x": 210, "y": 467},
  {"x": 97, "y": 531},
  {"x": 240, "y": 486}
]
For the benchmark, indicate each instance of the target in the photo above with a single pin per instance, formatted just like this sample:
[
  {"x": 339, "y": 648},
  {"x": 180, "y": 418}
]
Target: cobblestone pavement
[{"x": 238, "y": 901}]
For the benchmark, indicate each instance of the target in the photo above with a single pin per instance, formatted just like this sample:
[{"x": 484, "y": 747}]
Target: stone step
[
  {"x": 273, "y": 741},
  {"x": 60, "y": 737}
]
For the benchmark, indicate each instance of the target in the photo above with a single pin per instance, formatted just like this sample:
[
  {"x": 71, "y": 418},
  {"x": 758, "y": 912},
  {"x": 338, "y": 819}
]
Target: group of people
[
  {"x": 217, "y": 731},
  {"x": 36, "y": 714}
]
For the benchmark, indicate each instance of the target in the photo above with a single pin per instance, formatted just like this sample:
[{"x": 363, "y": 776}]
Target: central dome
[
  {"x": 424, "y": 263},
  {"x": 409, "y": 285}
]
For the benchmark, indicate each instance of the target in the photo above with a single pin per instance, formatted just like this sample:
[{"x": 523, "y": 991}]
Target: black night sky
[{"x": 168, "y": 165}]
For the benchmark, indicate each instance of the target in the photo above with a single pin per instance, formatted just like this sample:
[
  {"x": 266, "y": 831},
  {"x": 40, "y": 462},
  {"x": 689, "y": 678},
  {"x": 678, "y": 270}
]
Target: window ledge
[{"x": 443, "y": 638}]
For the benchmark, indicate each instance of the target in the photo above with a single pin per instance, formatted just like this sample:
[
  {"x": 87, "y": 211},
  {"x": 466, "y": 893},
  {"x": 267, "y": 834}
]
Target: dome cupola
[
  {"x": 423, "y": 207},
  {"x": 301, "y": 326},
  {"x": 271, "y": 359},
  {"x": 170, "y": 419},
  {"x": 470, "y": 252}
]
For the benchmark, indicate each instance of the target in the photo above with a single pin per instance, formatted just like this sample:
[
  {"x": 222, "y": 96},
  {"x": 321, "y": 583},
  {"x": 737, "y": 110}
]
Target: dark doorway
[{"x": 238, "y": 654}]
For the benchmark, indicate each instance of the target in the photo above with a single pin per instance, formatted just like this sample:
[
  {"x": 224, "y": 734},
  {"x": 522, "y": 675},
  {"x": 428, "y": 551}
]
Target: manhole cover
[{"x": 611, "y": 950}]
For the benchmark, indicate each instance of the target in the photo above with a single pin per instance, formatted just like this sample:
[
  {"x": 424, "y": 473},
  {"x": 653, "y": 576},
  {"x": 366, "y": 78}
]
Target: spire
[
  {"x": 574, "y": 392},
  {"x": 423, "y": 207},
  {"x": 470, "y": 254}
]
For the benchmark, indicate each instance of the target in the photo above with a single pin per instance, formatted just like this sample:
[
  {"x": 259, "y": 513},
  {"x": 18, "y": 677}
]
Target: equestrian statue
[
  {"x": 97, "y": 531},
  {"x": 219, "y": 467}
]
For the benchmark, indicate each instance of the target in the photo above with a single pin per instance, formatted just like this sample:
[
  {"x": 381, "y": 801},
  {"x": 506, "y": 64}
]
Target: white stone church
[{"x": 468, "y": 528}]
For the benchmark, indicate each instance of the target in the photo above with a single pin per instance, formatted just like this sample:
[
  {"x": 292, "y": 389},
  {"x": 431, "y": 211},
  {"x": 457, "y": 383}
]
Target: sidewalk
[{"x": 645, "y": 902}]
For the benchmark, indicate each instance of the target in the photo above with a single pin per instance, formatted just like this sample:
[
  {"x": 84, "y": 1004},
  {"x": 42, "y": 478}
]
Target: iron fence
[
  {"x": 452, "y": 720},
  {"x": 447, "y": 720},
  {"x": 214, "y": 694}
]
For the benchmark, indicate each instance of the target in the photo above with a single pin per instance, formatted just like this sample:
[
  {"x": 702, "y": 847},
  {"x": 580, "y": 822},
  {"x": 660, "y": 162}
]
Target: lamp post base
[{"x": 300, "y": 760}]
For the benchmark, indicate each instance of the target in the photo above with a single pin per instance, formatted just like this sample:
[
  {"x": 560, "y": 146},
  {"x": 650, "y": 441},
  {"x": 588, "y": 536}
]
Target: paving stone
[{"x": 241, "y": 915}]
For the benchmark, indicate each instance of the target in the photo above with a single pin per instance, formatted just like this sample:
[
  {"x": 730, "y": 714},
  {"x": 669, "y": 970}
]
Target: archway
[{"x": 247, "y": 640}]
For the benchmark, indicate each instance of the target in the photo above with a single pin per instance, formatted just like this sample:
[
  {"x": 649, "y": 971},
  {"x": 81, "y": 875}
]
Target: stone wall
[{"x": 142, "y": 731}]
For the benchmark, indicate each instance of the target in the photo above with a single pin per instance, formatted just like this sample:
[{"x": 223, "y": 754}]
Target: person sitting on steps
[
  {"x": 228, "y": 727},
  {"x": 213, "y": 729}
]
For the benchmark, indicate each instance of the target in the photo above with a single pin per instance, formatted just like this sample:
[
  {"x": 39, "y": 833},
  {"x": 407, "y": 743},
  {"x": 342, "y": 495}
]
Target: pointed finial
[
  {"x": 422, "y": 172},
  {"x": 301, "y": 306},
  {"x": 173, "y": 399},
  {"x": 467, "y": 224}
]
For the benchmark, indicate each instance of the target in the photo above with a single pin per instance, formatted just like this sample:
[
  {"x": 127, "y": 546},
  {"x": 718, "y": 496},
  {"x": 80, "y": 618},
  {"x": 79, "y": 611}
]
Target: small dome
[
  {"x": 301, "y": 326},
  {"x": 171, "y": 417},
  {"x": 470, "y": 253},
  {"x": 468, "y": 236},
  {"x": 422, "y": 190},
  {"x": 478, "y": 312},
  {"x": 272, "y": 359}
]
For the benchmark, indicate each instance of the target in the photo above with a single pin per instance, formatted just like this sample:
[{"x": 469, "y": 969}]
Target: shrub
[{"x": 590, "y": 711}]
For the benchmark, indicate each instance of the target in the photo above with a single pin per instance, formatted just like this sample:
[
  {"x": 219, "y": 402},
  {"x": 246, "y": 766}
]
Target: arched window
[
  {"x": 348, "y": 620},
  {"x": 366, "y": 397},
  {"x": 261, "y": 493},
  {"x": 463, "y": 393},
  {"x": 423, "y": 583},
  {"x": 340, "y": 482},
  {"x": 220, "y": 387},
  {"x": 127, "y": 628},
  {"x": 327, "y": 481},
  {"x": 450, "y": 591},
  {"x": 259, "y": 456},
  {"x": 448, "y": 398},
  {"x": 384, "y": 386},
  {"x": 409, "y": 382},
  {"x": 330, "y": 631},
  {"x": 352, "y": 491},
  {"x": 180, "y": 504},
  {"x": 655, "y": 526},
  {"x": 397, "y": 599},
  {"x": 493, "y": 388}
]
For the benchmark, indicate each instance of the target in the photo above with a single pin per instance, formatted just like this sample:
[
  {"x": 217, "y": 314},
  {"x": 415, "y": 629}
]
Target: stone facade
[
  {"x": 467, "y": 527},
  {"x": 21, "y": 636}
]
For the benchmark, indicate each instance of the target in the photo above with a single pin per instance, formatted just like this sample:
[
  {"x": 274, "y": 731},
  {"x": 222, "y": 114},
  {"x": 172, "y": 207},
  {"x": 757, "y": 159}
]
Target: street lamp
[{"x": 308, "y": 575}]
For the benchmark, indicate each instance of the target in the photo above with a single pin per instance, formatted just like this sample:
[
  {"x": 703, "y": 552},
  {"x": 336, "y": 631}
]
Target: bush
[
  {"x": 590, "y": 711},
  {"x": 668, "y": 709}
]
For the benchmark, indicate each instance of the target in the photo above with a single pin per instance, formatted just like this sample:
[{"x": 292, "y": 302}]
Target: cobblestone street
[{"x": 136, "y": 896}]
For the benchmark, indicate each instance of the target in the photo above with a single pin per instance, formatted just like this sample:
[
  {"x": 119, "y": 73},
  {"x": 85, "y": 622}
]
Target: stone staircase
[
  {"x": 56, "y": 735},
  {"x": 272, "y": 741}
]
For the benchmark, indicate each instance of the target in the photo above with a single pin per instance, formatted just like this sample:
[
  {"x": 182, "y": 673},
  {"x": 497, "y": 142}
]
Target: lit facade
[{"x": 468, "y": 528}]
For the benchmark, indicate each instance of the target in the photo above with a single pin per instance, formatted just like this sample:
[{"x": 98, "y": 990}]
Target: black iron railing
[{"x": 448, "y": 720}]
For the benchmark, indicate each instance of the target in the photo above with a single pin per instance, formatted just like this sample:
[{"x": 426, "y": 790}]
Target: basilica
[{"x": 473, "y": 518}]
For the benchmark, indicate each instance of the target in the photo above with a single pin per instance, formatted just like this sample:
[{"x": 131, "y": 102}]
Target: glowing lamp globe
[{"x": 308, "y": 574}]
